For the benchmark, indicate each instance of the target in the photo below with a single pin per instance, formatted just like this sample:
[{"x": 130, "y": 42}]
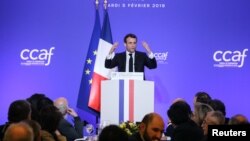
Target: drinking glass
[
  {"x": 89, "y": 129},
  {"x": 101, "y": 125}
]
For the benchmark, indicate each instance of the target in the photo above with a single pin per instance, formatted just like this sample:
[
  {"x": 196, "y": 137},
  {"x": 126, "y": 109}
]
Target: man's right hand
[
  {"x": 115, "y": 45},
  {"x": 72, "y": 112}
]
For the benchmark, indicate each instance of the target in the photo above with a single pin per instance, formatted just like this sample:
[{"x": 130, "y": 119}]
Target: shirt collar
[{"x": 127, "y": 53}]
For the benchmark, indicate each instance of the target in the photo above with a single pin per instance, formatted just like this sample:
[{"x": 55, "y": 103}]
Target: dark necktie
[{"x": 130, "y": 63}]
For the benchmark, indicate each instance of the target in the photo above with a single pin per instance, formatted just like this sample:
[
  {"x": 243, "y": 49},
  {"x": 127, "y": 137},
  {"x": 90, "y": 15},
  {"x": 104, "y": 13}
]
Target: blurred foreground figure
[
  {"x": 19, "y": 132},
  {"x": 113, "y": 133}
]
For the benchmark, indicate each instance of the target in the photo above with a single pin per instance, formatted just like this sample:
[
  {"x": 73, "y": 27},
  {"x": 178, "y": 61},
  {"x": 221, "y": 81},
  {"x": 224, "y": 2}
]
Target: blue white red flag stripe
[
  {"x": 121, "y": 100},
  {"x": 131, "y": 100}
]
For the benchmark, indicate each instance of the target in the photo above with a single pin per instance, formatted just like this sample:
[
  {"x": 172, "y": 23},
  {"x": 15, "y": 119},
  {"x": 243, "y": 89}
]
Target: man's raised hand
[
  {"x": 114, "y": 46},
  {"x": 146, "y": 46}
]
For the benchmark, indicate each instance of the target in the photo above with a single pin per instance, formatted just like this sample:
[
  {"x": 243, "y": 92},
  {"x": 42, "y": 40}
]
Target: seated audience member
[
  {"x": 170, "y": 128},
  {"x": 113, "y": 133},
  {"x": 218, "y": 105},
  {"x": 200, "y": 111},
  {"x": 38, "y": 101},
  {"x": 212, "y": 118},
  {"x": 66, "y": 128},
  {"x": 201, "y": 106},
  {"x": 185, "y": 129},
  {"x": 49, "y": 121},
  {"x": 238, "y": 119},
  {"x": 36, "y": 128},
  {"x": 19, "y": 132},
  {"x": 19, "y": 110},
  {"x": 151, "y": 128}
]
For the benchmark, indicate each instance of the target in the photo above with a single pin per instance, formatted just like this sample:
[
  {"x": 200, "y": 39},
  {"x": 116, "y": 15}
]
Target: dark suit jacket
[
  {"x": 141, "y": 60},
  {"x": 188, "y": 131},
  {"x": 169, "y": 130},
  {"x": 69, "y": 131},
  {"x": 135, "y": 137},
  {"x": 3, "y": 128}
]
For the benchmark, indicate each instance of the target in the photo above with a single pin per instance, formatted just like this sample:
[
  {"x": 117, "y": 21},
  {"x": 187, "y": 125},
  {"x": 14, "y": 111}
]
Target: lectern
[{"x": 126, "y": 99}]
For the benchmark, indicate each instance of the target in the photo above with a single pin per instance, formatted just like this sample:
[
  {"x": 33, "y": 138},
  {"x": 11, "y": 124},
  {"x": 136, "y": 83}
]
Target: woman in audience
[
  {"x": 38, "y": 101},
  {"x": 185, "y": 129},
  {"x": 113, "y": 133},
  {"x": 170, "y": 127},
  {"x": 49, "y": 121}
]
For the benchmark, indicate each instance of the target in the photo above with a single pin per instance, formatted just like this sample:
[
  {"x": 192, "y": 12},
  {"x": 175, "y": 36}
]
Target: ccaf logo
[
  {"x": 36, "y": 57},
  {"x": 229, "y": 58},
  {"x": 161, "y": 57}
]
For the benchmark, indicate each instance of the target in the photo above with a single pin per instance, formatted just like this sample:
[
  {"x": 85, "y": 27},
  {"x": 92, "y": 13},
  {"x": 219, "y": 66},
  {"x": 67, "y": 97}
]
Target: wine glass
[
  {"x": 101, "y": 125},
  {"x": 89, "y": 129}
]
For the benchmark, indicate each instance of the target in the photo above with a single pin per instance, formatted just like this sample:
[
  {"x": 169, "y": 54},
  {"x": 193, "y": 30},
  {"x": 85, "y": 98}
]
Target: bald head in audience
[
  {"x": 238, "y": 119},
  {"x": 36, "y": 128},
  {"x": 62, "y": 104},
  {"x": 151, "y": 127},
  {"x": 19, "y": 132}
]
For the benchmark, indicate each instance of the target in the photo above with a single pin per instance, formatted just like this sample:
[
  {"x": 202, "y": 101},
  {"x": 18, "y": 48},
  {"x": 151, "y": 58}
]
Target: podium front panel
[{"x": 126, "y": 100}]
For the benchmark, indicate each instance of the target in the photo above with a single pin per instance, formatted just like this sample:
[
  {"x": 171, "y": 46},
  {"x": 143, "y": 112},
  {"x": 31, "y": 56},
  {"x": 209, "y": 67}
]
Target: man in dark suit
[
  {"x": 138, "y": 59},
  {"x": 71, "y": 132}
]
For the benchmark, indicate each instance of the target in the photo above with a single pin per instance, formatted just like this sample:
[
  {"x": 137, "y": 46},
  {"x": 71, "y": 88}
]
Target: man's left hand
[{"x": 146, "y": 46}]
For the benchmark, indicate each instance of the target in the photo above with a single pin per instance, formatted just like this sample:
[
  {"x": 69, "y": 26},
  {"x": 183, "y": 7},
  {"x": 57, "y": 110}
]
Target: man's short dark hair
[
  {"x": 218, "y": 105},
  {"x": 38, "y": 101},
  {"x": 19, "y": 110},
  {"x": 50, "y": 117},
  {"x": 113, "y": 133},
  {"x": 129, "y": 35},
  {"x": 179, "y": 112}
]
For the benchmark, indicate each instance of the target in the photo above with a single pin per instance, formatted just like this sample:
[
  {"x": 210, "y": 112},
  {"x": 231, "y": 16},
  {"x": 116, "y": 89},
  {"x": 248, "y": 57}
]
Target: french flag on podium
[{"x": 126, "y": 100}]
